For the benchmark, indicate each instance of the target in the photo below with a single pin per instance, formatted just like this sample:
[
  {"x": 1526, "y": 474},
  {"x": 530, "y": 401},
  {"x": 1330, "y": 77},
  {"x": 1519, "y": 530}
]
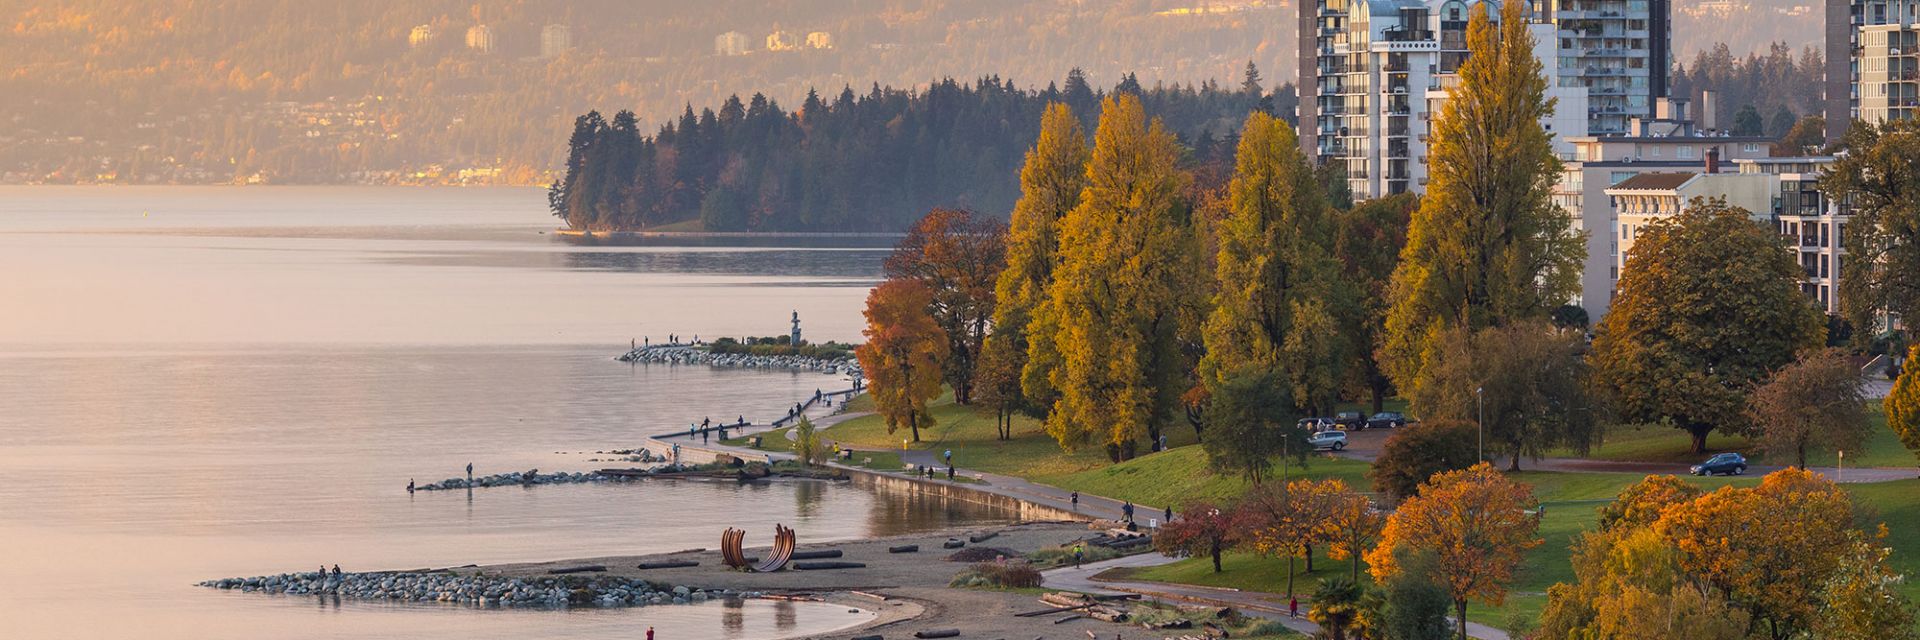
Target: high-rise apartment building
[
  {"x": 555, "y": 39},
  {"x": 731, "y": 43},
  {"x": 1373, "y": 76},
  {"x": 480, "y": 38},
  {"x": 1873, "y": 62}
]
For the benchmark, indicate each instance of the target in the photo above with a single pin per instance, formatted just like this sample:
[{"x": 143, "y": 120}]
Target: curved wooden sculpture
[{"x": 777, "y": 558}]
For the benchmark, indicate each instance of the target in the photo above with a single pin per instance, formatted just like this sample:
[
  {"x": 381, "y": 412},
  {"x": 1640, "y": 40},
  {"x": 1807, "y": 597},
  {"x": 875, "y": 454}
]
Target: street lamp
[{"x": 1479, "y": 397}]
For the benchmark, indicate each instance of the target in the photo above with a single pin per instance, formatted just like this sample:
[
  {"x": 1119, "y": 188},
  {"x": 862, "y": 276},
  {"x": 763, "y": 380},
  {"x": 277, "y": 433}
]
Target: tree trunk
[
  {"x": 1289, "y": 577},
  {"x": 1460, "y": 607},
  {"x": 1356, "y": 567},
  {"x": 1699, "y": 433},
  {"x": 1379, "y": 385},
  {"x": 1802, "y": 451},
  {"x": 1216, "y": 556},
  {"x": 913, "y": 422},
  {"x": 1308, "y": 548}
]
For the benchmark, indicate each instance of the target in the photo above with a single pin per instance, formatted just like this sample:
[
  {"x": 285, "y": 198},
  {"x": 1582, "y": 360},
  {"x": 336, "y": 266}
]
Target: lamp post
[{"x": 1480, "y": 398}]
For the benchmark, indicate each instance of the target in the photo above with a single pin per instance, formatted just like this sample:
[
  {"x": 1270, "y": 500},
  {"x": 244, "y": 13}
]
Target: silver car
[{"x": 1332, "y": 440}]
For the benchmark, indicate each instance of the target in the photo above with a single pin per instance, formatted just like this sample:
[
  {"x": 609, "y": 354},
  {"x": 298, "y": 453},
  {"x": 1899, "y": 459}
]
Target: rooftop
[{"x": 1654, "y": 181}]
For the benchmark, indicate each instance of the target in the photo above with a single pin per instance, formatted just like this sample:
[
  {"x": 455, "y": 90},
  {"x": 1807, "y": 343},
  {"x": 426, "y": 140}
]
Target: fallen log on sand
[
  {"x": 937, "y": 633},
  {"x": 905, "y": 548},
  {"x": 668, "y": 564},
  {"x": 816, "y": 555},
  {"x": 589, "y": 568},
  {"x": 816, "y": 566}
]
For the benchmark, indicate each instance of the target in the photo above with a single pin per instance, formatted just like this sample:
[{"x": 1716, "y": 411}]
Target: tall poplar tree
[
  {"x": 1123, "y": 288},
  {"x": 1488, "y": 245},
  {"x": 1050, "y": 184},
  {"x": 1274, "y": 270}
]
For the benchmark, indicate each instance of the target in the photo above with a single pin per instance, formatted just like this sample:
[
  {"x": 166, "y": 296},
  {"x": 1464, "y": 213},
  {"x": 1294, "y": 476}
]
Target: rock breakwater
[
  {"x": 682, "y": 354},
  {"x": 529, "y": 478},
  {"x": 483, "y": 591}
]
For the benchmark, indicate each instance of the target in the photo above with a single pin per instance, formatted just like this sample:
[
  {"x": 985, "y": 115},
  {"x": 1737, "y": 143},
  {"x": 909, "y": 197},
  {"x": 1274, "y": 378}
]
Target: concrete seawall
[{"x": 1024, "y": 510}]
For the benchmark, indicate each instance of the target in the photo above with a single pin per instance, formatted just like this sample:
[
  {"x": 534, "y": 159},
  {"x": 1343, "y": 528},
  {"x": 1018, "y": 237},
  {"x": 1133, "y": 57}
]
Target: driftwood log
[
  {"x": 937, "y": 633},
  {"x": 668, "y": 564},
  {"x": 905, "y": 548},
  {"x": 829, "y": 564},
  {"x": 816, "y": 555},
  {"x": 585, "y": 568}
]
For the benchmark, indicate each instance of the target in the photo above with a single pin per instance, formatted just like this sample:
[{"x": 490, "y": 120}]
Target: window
[
  {"x": 1750, "y": 147},
  {"x": 1686, "y": 152}
]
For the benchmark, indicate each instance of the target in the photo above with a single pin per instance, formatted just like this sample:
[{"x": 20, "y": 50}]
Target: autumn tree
[
  {"x": 1204, "y": 530},
  {"x": 1368, "y": 239},
  {"x": 1420, "y": 450},
  {"x": 1708, "y": 303},
  {"x": 1880, "y": 178},
  {"x": 1487, "y": 245},
  {"x": 1122, "y": 290},
  {"x": 1863, "y": 600},
  {"x": 1050, "y": 184},
  {"x": 1817, "y": 401},
  {"x": 1285, "y": 518},
  {"x": 903, "y": 354},
  {"x": 1804, "y": 138},
  {"x": 1274, "y": 272},
  {"x": 1628, "y": 579},
  {"x": 1528, "y": 380},
  {"x": 957, "y": 255},
  {"x": 1478, "y": 526},
  {"x": 1351, "y": 525},
  {"x": 1902, "y": 404},
  {"x": 1770, "y": 550}
]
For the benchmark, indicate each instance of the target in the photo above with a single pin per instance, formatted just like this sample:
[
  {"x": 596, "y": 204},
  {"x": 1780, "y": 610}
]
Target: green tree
[
  {"x": 1709, "y": 302},
  {"x": 1880, "y": 177},
  {"x": 806, "y": 443},
  {"x": 1488, "y": 245},
  {"x": 1123, "y": 288},
  {"x": 1817, "y": 401},
  {"x": 1863, "y": 599},
  {"x": 1413, "y": 606},
  {"x": 1336, "y": 606},
  {"x": 903, "y": 354},
  {"x": 1806, "y": 137},
  {"x": 1781, "y": 122},
  {"x": 1528, "y": 379},
  {"x": 1368, "y": 239},
  {"x": 1249, "y": 419},
  {"x": 1746, "y": 122},
  {"x": 1050, "y": 184}
]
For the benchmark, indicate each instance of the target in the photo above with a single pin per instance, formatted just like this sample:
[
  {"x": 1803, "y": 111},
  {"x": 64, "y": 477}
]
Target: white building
[
  {"x": 782, "y": 41},
  {"x": 555, "y": 39},
  {"x": 731, "y": 43},
  {"x": 1644, "y": 198},
  {"x": 1815, "y": 226},
  {"x": 819, "y": 40},
  {"x": 1374, "y": 72},
  {"x": 480, "y": 38},
  {"x": 420, "y": 35}
]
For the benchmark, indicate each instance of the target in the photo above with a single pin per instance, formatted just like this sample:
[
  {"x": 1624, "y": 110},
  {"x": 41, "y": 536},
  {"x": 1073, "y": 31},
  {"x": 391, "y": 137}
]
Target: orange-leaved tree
[
  {"x": 1285, "y": 519},
  {"x": 903, "y": 355},
  {"x": 1771, "y": 549},
  {"x": 1476, "y": 524},
  {"x": 1351, "y": 526},
  {"x": 958, "y": 255}
]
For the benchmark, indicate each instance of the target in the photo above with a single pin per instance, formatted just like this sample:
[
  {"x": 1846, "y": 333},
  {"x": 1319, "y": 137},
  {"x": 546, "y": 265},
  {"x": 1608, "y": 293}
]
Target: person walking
[
  {"x": 706, "y": 437},
  {"x": 1293, "y": 606},
  {"x": 949, "y": 473},
  {"x": 649, "y": 633},
  {"x": 336, "y": 572},
  {"x": 1169, "y": 514},
  {"x": 409, "y": 485},
  {"x": 1079, "y": 553},
  {"x": 1126, "y": 509},
  {"x": 949, "y": 457},
  {"x": 1076, "y": 500}
]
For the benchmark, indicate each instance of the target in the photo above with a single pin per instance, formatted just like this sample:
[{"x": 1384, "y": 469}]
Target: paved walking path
[{"x": 1271, "y": 606}]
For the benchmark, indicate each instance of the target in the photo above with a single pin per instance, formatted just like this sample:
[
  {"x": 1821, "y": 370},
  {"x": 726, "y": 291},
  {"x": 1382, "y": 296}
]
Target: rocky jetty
[
  {"x": 684, "y": 354},
  {"x": 529, "y": 477},
  {"x": 484, "y": 591}
]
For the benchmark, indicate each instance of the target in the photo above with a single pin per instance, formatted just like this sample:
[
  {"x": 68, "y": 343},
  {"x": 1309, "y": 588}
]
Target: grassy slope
[{"x": 1655, "y": 443}]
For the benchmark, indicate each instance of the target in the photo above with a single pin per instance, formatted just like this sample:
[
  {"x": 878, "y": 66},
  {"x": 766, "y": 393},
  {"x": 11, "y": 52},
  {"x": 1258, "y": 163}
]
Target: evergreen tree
[{"x": 1488, "y": 245}]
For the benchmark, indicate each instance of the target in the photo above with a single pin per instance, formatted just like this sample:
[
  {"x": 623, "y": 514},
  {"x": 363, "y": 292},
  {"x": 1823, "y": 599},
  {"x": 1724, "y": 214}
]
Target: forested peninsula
[{"x": 873, "y": 162}]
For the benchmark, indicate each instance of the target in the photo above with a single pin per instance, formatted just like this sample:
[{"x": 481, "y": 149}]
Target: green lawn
[
  {"x": 1655, "y": 443},
  {"x": 1571, "y": 500}
]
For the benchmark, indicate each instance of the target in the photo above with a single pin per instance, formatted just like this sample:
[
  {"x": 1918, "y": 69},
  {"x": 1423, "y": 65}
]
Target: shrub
[
  {"x": 998, "y": 575},
  {"x": 982, "y": 554},
  {"x": 1062, "y": 556},
  {"x": 1415, "y": 453}
]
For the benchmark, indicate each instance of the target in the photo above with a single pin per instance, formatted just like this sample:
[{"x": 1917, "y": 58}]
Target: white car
[{"x": 1334, "y": 440}]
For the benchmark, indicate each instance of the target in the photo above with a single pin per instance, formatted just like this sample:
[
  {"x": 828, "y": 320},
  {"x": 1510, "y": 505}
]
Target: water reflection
[
  {"x": 852, "y": 264},
  {"x": 807, "y": 498},
  {"x": 784, "y": 615},
  {"x": 732, "y": 617}
]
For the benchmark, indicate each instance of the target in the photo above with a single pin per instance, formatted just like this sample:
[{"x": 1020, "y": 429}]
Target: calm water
[{"x": 204, "y": 382}]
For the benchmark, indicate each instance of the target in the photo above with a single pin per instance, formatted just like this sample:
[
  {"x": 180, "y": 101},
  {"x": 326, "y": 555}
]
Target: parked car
[
  {"x": 1725, "y": 463},
  {"x": 1387, "y": 420},
  {"x": 1350, "y": 420},
  {"x": 1318, "y": 424},
  {"x": 1334, "y": 440}
]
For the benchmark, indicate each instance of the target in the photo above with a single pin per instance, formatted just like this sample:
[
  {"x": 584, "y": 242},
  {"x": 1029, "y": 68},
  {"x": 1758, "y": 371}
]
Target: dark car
[
  {"x": 1350, "y": 420},
  {"x": 1387, "y": 420},
  {"x": 1725, "y": 463}
]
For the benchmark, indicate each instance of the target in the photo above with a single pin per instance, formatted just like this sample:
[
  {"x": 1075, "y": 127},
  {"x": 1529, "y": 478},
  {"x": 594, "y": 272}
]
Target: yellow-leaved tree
[
  {"x": 1487, "y": 245},
  {"x": 1123, "y": 290}
]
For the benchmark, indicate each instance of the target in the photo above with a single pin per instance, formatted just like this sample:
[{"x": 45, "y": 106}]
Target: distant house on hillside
[
  {"x": 819, "y": 40},
  {"x": 480, "y": 38},
  {"x": 420, "y": 36},
  {"x": 555, "y": 39},
  {"x": 782, "y": 41},
  {"x": 731, "y": 43}
]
